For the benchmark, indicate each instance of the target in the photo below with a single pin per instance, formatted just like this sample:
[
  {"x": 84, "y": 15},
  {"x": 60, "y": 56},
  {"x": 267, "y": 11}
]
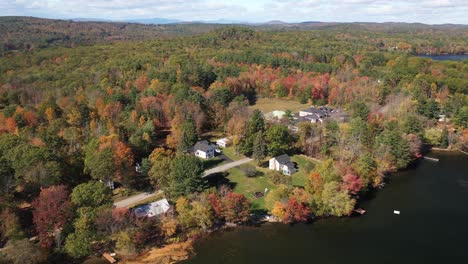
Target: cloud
[{"x": 425, "y": 11}]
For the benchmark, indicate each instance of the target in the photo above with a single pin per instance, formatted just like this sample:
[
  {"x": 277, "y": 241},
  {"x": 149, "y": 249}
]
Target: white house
[
  {"x": 283, "y": 164},
  {"x": 204, "y": 149},
  {"x": 153, "y": 209},
  {"x": 224, "y": 142}
]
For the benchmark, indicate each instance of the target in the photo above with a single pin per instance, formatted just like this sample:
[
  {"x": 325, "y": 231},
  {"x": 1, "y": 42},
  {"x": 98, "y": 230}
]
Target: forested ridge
[
  {"x": 74, "y": 117},
  {"x": 26, "y": 33}
]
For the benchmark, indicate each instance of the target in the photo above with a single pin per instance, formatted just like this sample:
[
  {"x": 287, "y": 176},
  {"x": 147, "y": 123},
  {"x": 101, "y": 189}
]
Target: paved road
[
  {"x": 135, "y": 199},
  {"x": 226, "y": 166}
]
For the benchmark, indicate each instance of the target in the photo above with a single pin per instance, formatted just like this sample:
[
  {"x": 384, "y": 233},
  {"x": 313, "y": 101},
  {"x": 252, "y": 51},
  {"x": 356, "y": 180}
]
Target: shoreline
[{"x": 180, "y": 251}]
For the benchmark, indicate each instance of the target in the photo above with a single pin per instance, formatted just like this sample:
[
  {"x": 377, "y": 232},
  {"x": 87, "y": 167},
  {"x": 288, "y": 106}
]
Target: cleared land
[
  {"x": 267, "y": 105},
  {"x": 249, "y": 185},
  {"x": 306, "y": 165}
]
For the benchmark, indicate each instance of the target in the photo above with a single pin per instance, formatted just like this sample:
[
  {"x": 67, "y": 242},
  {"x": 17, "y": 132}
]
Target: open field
[
  {"x": 305, "y": 165},
  {"x": 248, "y": 185},
  {"x": 270, "y": 104}
]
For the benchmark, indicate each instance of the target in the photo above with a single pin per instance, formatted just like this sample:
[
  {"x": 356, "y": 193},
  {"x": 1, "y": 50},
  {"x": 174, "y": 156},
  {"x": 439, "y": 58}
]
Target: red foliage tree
[
  {"x": 142, "y": 82},
  {"x": 297, "y": 211},
  {"x": 52, "y": 209},
  {"x": 11, "y": 124},
  {"x": 114, "y": 220},
  {"x": 351, "y": 183},
  {"x": 216, "y": 204},
  {"x": 31, "y": 118},
  {"x": 236, "y": 207}
]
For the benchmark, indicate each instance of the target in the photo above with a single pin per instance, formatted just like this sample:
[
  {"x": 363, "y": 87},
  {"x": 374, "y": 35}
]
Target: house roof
[
  {"x": 153, "y": 209},
  {"x": 283, "y": 159},
  {"x": 322, "y": 111},
  {"x": 290, "y": 165},
  {"x": 203, "y": 145}
]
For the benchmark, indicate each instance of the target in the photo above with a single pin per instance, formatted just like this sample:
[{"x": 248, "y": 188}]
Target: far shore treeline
[{"x": 81, "y": 104}]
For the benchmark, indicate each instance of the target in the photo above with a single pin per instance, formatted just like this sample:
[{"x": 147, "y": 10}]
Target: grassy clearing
[
  {"x": 230, "y": 152},
  {"x": 270, "y": 104},
  {"x": 248, "y": 185},
  {"x": 305, "y": 165}
]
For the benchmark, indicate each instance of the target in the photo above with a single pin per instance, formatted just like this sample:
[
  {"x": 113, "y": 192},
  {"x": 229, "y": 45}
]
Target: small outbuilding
[{"x": 224, "y": 142}]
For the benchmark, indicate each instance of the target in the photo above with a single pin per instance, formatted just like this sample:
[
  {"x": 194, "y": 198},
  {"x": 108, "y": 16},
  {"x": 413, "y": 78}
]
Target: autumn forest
[{"x": 80, "y": 108}]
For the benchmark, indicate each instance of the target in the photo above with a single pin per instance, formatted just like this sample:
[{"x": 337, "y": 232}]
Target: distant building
[
  {"x": 224, "y": 142},
  {"x": 283, "y": 164},
  {"x": 204, "y": 149},
  {"x": 275, "y": 115},
  {"x": 316, "y": 114},
  {"x": 153, "y": 209}
]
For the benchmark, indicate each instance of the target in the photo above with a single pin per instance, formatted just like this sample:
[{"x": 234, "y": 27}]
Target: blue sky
[{"x": 425, "y": 11}]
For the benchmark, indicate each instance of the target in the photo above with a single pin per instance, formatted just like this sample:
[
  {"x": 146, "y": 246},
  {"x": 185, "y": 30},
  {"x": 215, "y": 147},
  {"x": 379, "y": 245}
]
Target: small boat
[
  {"x": 396, "y": 212},
  {"x": 360, "y": 211}
]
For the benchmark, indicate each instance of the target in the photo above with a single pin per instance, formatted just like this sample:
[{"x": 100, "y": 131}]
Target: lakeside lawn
[
  {"x": 267, "y": 105},
  {"x": 249, "y": 185},
  {"x": 305, "y": 165}
]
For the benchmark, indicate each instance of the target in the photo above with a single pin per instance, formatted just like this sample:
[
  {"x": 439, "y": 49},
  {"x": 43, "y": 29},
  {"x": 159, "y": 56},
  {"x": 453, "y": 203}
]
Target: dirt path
[
  {"x": 135, "y": 199},
  {"x": 226, "y": 166}
]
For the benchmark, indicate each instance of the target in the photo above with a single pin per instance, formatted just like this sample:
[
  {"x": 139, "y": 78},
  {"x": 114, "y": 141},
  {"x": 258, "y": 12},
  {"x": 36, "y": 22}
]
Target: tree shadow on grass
[
  {"x": 218, "y": 179},
  {"x": 211, "y": 163}
]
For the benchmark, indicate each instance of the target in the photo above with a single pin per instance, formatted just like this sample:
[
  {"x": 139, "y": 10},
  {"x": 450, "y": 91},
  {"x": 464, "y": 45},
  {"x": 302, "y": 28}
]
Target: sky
[{"x": 424, "y": 11}]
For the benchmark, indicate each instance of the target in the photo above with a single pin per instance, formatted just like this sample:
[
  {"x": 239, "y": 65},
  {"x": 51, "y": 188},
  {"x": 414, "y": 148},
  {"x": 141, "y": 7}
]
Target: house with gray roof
[
  {"x": 153, "y": 209},
  {"x": 204, "y": 149},
  {"x": 283, "y": 164}
]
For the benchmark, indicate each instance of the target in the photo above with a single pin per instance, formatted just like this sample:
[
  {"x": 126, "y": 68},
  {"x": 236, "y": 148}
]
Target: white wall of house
[
  {"x": 274, "y": 164},
  {"x": 205, "y": 155}
]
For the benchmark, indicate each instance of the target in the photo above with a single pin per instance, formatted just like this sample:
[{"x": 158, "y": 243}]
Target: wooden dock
[
  {"x": 431, "y": 159},
  {"x": 360, "y": 211}
]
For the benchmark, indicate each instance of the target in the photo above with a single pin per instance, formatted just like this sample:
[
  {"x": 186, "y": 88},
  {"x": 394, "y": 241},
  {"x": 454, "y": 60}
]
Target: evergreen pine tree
[
  {"x": 189, "y": 135},
  {"x": 259, "y": 147}
]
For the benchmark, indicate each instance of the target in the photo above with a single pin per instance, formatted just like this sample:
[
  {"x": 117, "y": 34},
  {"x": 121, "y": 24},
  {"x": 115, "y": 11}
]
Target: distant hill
[
  {"x": 25, "y": 33},
  {"x": 275, "y": 22},
  {"x": 152, "y": 21}
]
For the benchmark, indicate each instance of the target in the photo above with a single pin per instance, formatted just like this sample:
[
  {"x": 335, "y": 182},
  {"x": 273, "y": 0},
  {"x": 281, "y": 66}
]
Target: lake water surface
[
  {"x": 432, "y": 227},
  {"x": 455, "y": 57}
]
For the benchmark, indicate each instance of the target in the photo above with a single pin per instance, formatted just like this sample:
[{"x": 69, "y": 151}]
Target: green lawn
[
  {"x": 267, "y": 105},
  {"x": 305, "y": 166},
  {"x": 248, "y": 185},
  {"x": 230, "y": 152}
]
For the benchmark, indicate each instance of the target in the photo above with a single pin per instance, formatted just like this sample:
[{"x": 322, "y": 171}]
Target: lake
[
  {"x": 432, "y": 227},
  {"x": 454, "y": 57}
]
